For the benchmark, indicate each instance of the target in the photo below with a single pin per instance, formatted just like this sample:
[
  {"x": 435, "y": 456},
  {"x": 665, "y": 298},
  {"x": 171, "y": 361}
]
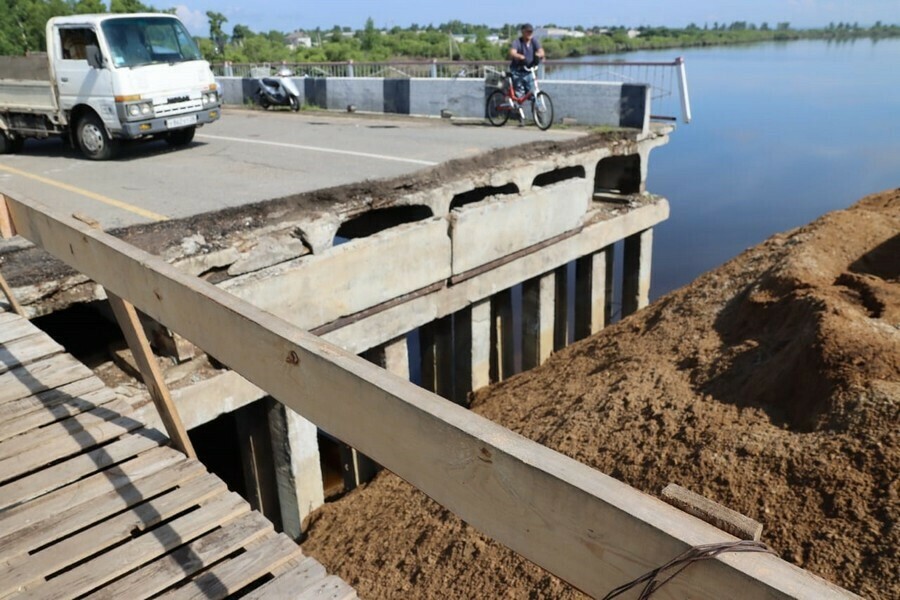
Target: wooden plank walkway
[{"x": 94, "y": 504}]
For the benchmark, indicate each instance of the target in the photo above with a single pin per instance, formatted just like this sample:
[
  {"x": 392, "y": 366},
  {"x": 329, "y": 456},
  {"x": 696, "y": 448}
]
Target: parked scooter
[{"x": 279, "y": 90}]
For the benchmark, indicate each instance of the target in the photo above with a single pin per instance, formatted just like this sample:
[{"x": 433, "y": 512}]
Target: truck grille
[{"x": 165, "y": 110}]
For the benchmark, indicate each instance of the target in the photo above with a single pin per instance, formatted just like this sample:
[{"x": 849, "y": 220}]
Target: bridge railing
[
  {"x": 667, "y": 79},
  {"x": 587, "y": 528}
]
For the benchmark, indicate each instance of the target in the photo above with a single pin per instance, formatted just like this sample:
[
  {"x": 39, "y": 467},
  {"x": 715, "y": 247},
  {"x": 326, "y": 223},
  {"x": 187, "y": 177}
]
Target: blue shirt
[{"x": 528, "y": 49}]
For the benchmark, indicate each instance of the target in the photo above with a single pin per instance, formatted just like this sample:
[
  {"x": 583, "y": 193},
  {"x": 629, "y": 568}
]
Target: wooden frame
[{"x": 589, "y": 529}]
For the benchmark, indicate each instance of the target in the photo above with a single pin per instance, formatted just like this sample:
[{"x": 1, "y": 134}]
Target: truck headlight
[
  {"x": 146, "y": 109},
  {"x": 210, "y": 98},
  {"x": 133, "y": 110}
]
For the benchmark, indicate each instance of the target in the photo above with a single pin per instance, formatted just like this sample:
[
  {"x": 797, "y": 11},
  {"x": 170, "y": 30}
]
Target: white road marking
[{"x": 318, "y": 149}]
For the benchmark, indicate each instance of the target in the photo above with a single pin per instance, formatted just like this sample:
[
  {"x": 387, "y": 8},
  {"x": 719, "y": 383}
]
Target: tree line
[{"x": 22, "y": 24}]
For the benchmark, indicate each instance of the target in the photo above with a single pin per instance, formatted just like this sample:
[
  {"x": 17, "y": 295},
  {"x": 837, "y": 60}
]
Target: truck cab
[{"x": 123, "y": 76}]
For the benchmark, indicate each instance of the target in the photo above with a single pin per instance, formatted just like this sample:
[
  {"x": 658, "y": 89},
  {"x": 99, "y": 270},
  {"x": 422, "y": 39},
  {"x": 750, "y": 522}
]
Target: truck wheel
[
  {"x": 93, "y": 139},
  {"x": 10, "y": 145},
  {"x": 181, "y": 137}
]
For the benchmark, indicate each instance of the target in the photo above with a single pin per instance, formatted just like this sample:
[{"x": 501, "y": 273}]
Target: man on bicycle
[{"x": 524, "y": 52}]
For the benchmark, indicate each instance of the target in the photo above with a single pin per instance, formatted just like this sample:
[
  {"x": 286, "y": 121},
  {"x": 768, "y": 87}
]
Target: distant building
[
  {"x": 633, "y": 33},
  {"x": 556, "y": 33},
  {"x": 298, "y": 39}
]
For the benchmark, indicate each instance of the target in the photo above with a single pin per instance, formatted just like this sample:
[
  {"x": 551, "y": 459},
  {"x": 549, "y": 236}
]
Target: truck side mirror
[{"x": 94, "y": 57}]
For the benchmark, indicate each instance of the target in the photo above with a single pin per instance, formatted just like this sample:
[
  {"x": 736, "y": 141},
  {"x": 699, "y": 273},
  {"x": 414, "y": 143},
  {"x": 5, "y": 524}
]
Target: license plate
[{"x": 181, "y": 121}]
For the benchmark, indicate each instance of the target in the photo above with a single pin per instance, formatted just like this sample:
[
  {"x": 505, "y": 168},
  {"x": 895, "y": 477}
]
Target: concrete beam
[
  {"x": 602, "y": 230},
  {"x": 636, "y": 276},
  {"x": 501, "y": 225},
  {"x": 317, "y": 289},
  {"x": 203, "y": 401},
  {"x": 393, "y": 356}
]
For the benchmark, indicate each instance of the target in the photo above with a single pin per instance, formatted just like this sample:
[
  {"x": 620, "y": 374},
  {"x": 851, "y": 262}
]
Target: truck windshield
[{"x": 137, "y": 41}]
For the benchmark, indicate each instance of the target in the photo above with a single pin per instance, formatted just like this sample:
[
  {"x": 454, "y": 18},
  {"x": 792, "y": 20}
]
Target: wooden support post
[
  {"x": 593, "y": 275},
  {"x": 428, "y": 357},
  {"x": 298, "y": 471},
  {"x": 502, "y": 347},
  {"x": 480, "y": 347},
  {"x": 8, "y": 230},
  {"x": 561, "y": 308},
  {"x": 538, "y": 313},
  {"x": 131, "y": 327},
  {"x": 463, "y": 352},
  {"x": 608, "y": 288},
  {"x": 11, "y": 299},
  {"x": 255, "y": 447},
  {"x": 443, "y": 350},
  {"x": 357, "y": 467},
  {"x": 729, "y": 521},
  {"x": 7, "y": 226},
  {"x": 636, "y": 278},
  {"x": 436, "y": 350}
]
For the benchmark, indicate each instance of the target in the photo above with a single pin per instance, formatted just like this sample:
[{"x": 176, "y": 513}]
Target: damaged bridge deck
[{"x": 92, "y": 502}]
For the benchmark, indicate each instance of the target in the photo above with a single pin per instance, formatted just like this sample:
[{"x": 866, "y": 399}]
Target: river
[{"x": 782, "y": 133}]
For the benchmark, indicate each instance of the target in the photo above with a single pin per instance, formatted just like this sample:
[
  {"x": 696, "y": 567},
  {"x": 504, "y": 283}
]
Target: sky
[{"x": 289, "y": 15}]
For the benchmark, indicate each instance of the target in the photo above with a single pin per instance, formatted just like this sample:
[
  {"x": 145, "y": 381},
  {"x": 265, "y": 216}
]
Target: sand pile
[{"x": 771, "y": 385}]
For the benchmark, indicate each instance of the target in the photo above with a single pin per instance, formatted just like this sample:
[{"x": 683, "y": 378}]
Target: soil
[{"x": 770, "y": 385}]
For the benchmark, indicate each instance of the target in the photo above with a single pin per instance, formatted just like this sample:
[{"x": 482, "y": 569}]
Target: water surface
[{"x": 783, "y": 132}]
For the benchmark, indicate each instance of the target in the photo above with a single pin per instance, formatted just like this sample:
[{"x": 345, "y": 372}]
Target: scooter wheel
[
  {"x": 264, "y": 103},
  {"x": 295, "y": 103}
]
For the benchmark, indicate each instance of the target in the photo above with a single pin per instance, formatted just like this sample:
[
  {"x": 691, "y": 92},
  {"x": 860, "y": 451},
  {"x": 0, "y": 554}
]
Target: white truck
[{"x": 107, "y": 78}]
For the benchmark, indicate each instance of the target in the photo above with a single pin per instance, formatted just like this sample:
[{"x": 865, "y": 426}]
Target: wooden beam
[
  {"x": 636, "y": 276},
  {"x": 587, "y": 528},
  {"x": 561, "y": 308},
  {"x": 7, "y": 226},
  {"x": 11, "y": 298},
  {"x": 593, "y": 290},
  {"x": 131, "y": 326},
  {"x": 724, "y": 518},
  {"x": 502, "y": 340}
]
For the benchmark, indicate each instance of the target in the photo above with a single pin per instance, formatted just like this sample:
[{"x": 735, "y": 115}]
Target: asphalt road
[{"x": 247, "y": 156}]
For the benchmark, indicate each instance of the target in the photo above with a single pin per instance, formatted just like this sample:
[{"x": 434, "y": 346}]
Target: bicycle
[{"x": 501, "y": 103}]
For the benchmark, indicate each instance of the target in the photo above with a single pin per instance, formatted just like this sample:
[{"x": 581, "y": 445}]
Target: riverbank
[{"x": 770, "y": 385}]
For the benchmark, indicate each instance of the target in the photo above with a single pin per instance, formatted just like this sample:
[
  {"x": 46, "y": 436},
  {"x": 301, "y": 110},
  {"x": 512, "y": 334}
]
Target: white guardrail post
[{"x": 683, "y": 90}]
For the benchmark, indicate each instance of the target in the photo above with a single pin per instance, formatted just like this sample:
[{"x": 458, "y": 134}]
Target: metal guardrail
[{"x": 667, "y": 80}]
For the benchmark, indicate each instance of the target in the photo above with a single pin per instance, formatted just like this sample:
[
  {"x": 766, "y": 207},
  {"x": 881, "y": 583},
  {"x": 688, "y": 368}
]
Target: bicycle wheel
[
  {"x": 495, "y": 113},
  {"x": 542, "y": 110}
]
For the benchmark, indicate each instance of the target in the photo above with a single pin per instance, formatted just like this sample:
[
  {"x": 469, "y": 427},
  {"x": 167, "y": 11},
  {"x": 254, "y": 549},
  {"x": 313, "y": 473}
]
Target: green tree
[
  {"x": 216, "y": 34},
  {"x": 239, "y": 34},
  {"x": 129, "y": 6},
  {"x": 369, "y": 36},
  {"x": 88, "y": 7}
]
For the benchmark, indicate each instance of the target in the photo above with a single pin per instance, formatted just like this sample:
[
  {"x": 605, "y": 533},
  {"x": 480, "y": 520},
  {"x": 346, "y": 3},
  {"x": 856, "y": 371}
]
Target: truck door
[{"x": 76, "y": 81}]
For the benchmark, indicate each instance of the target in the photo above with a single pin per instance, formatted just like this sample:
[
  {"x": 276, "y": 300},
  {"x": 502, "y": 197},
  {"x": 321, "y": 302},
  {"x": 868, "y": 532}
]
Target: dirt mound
[{"x": 771, "y": 385}]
